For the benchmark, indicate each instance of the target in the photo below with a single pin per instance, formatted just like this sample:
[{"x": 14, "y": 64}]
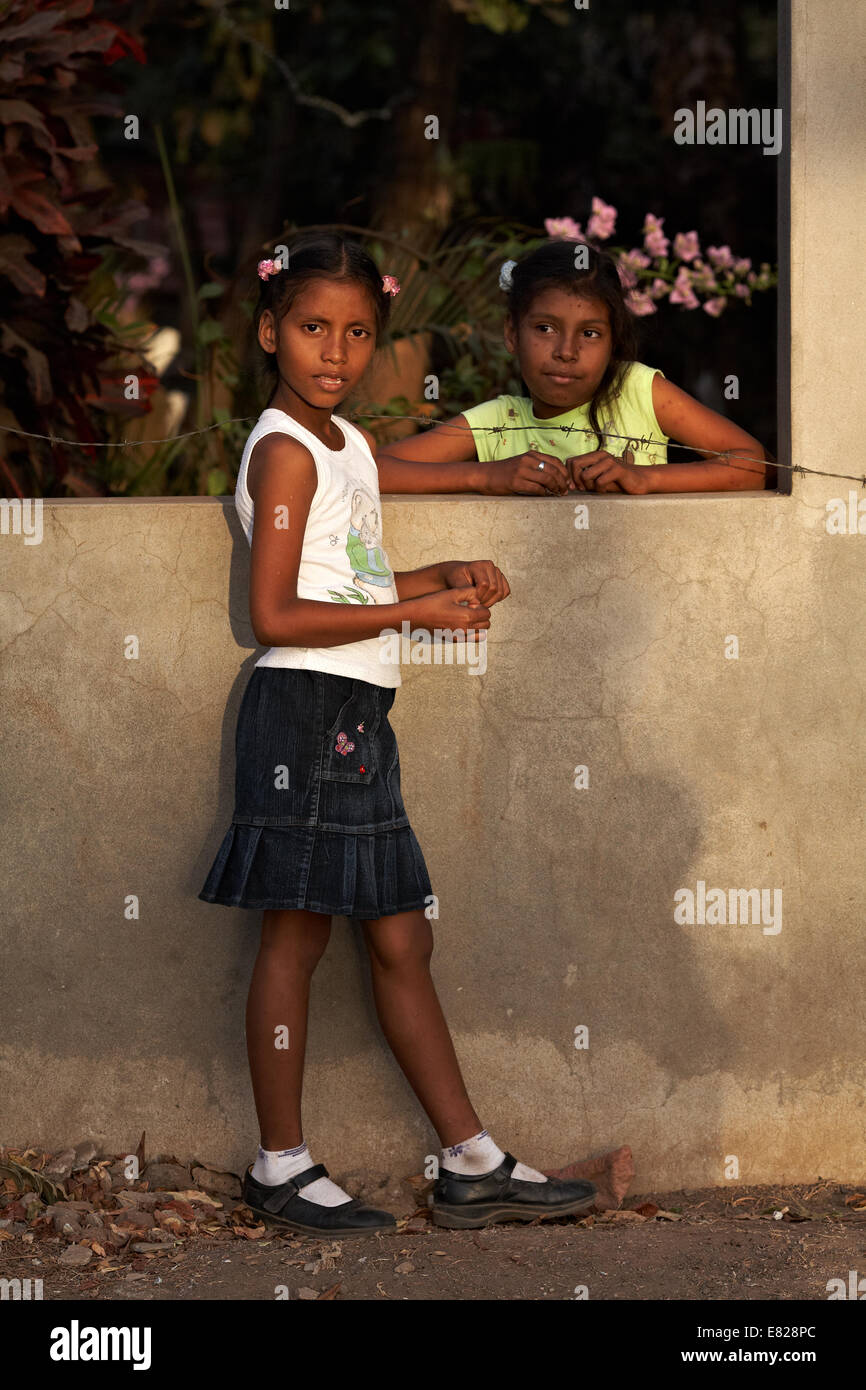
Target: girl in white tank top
[{"x": 319, "y": 827}]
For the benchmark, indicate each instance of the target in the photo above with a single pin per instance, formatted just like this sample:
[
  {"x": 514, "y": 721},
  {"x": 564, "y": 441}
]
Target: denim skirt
[{"x": 319, "y": 821}]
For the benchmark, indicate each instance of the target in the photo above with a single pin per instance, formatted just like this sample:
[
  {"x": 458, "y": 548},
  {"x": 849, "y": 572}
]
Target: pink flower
[
  {"x": 602, "y": 223},
  {"x": 687, "y": 246},
  {"x": 634, "y": 261},
  {"x": 658, "y": 289},
  {"x": 715, "y": 306},
  {"x": 266, "y": 268},
  {"x": 703, "y": 278},
  {"x": 640, "y": 303},
  {"x": 682, "y": 292},
  {"x": 721, "y": 257},
  {"x": 741, "y": 290},
  {"x": 630, "y": 262},
  {"x": 564, "y": 228},
  {"x": 390, "y": 285},
  {"x": 654, "y": 240},
  {"x": 742, "y": 267}
]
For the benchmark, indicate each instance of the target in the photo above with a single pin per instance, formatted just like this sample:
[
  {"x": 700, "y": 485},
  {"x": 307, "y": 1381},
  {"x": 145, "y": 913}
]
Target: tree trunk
[{"x": 416, "y": 194}]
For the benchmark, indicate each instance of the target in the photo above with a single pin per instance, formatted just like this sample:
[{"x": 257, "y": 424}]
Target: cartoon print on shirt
[{"x": 374, "y": 578}]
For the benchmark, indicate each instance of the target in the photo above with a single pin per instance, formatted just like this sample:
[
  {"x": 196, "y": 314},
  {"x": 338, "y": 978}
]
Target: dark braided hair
[
  {"x": 315, "y": 256},
  {"x": 552, "y": 266}
]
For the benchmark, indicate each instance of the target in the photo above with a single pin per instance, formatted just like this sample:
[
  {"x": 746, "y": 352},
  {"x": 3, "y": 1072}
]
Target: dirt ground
[{"x": 713, "y": 1244}]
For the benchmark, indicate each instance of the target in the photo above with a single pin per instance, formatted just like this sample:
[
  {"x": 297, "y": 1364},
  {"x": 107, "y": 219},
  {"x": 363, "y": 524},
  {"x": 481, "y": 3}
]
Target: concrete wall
[{"x": 557, "y": 904}]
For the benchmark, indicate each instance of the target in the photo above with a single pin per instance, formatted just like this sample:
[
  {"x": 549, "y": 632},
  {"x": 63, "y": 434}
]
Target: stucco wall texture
[{"x": 558, "y": 904}]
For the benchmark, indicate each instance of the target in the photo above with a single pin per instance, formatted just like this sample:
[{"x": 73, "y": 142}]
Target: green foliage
[
  {"x": 63, "y": 346},
  {"x": 504, "y": 16}
]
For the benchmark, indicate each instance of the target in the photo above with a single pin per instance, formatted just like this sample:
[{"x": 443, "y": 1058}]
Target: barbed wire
[
  {"x": 124, "y": 443},
  {"x": 636, "y": 443}
]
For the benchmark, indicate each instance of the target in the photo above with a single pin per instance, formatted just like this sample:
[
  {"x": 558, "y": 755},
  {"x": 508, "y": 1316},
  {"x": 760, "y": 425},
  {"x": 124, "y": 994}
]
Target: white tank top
[{"x": 343, "y": 559}]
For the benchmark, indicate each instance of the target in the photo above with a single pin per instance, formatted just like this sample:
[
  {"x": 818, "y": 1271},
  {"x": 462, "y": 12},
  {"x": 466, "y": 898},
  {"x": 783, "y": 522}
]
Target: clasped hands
[{"x": 598, "y": 471}]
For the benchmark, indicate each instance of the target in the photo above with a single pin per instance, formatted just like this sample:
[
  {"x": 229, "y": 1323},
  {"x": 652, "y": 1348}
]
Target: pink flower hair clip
[
  {"x": 390, "y": 285},
  {"x": 266, "y": 268}
]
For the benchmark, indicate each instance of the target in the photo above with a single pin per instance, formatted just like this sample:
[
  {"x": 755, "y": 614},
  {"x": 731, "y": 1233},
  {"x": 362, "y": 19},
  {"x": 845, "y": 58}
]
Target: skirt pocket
[{"x": 350, "y": 753}]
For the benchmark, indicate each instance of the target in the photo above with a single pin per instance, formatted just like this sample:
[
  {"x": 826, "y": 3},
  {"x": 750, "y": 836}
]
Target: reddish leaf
[
  {"x": 124, "y": 43},
  {"x": 93, "y": 39},
  {"x": 14, "y": 264},
  {"x": 20, "y": 111},
  {"x": 81, "y": 152},
  {"x": 43, "y": 214},
  {"x": 11, "y": 70},
  {"x": 35, "y": 362},
  {"x": 37, "y": 24}
]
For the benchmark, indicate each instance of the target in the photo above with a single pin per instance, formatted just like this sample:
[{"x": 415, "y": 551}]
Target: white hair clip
[{"x": 505, "y": 274}]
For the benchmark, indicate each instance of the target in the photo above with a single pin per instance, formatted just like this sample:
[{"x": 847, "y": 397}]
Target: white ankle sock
[
  {"x": 278, "y": 1165},
  {"x": 480, "y": 1154}
]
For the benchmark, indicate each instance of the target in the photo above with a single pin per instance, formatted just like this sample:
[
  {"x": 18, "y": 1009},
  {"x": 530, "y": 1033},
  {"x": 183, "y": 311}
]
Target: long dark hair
[
  {"x": 552, "y": 266},
  {"x": 314, "y": 256}
]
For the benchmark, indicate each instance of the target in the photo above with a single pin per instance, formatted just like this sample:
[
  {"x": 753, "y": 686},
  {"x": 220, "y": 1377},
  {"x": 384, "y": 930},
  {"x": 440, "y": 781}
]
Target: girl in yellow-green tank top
[{"x": 594, "y": 419}]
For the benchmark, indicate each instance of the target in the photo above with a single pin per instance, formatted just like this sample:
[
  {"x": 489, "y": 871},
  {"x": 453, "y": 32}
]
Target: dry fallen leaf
[
  {"x": 181, "y": 1208},
  {"x": 249, "y": 1232}
]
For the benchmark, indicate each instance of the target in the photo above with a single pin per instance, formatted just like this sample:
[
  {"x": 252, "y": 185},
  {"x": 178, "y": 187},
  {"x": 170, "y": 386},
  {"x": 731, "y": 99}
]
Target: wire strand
[{"x": 633, "y": 440}]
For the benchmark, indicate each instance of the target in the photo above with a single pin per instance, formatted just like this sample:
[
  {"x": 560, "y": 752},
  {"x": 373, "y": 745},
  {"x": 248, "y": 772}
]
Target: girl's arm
[
  {"x": 282, "y": 484},
  {"x": 688, "y": 422},
  {"x": 445, "y": 459},
  {"x": 685, "y": 420},
  {"x": 439, "y": 460}
]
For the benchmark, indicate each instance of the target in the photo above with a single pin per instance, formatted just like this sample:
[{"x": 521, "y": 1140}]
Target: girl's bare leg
[
  {"x": 412, "y": 1020},
  {"x": 291, "y": 947}
]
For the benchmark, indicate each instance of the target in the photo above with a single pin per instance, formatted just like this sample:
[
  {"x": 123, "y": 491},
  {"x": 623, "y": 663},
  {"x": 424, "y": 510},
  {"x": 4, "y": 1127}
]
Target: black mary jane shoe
[
  {"x": 466, "y": 1200},
  {"x": 282, "y": 1203}
]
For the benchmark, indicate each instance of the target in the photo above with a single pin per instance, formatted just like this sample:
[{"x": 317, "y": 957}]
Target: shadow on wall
[{"x": 563, "y": 888}]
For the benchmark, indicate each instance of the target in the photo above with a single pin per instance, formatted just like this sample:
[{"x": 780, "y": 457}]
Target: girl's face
[
  {"x": 323, "y": 343},
  {"x": 563, "y": 346}
]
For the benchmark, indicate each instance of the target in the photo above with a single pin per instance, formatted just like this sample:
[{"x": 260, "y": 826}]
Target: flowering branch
[{"x": 651, "y": 274}]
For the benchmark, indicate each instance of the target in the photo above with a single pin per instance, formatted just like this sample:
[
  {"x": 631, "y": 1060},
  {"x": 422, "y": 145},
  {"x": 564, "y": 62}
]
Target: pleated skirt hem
[{"x": 290, "y": 868}]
